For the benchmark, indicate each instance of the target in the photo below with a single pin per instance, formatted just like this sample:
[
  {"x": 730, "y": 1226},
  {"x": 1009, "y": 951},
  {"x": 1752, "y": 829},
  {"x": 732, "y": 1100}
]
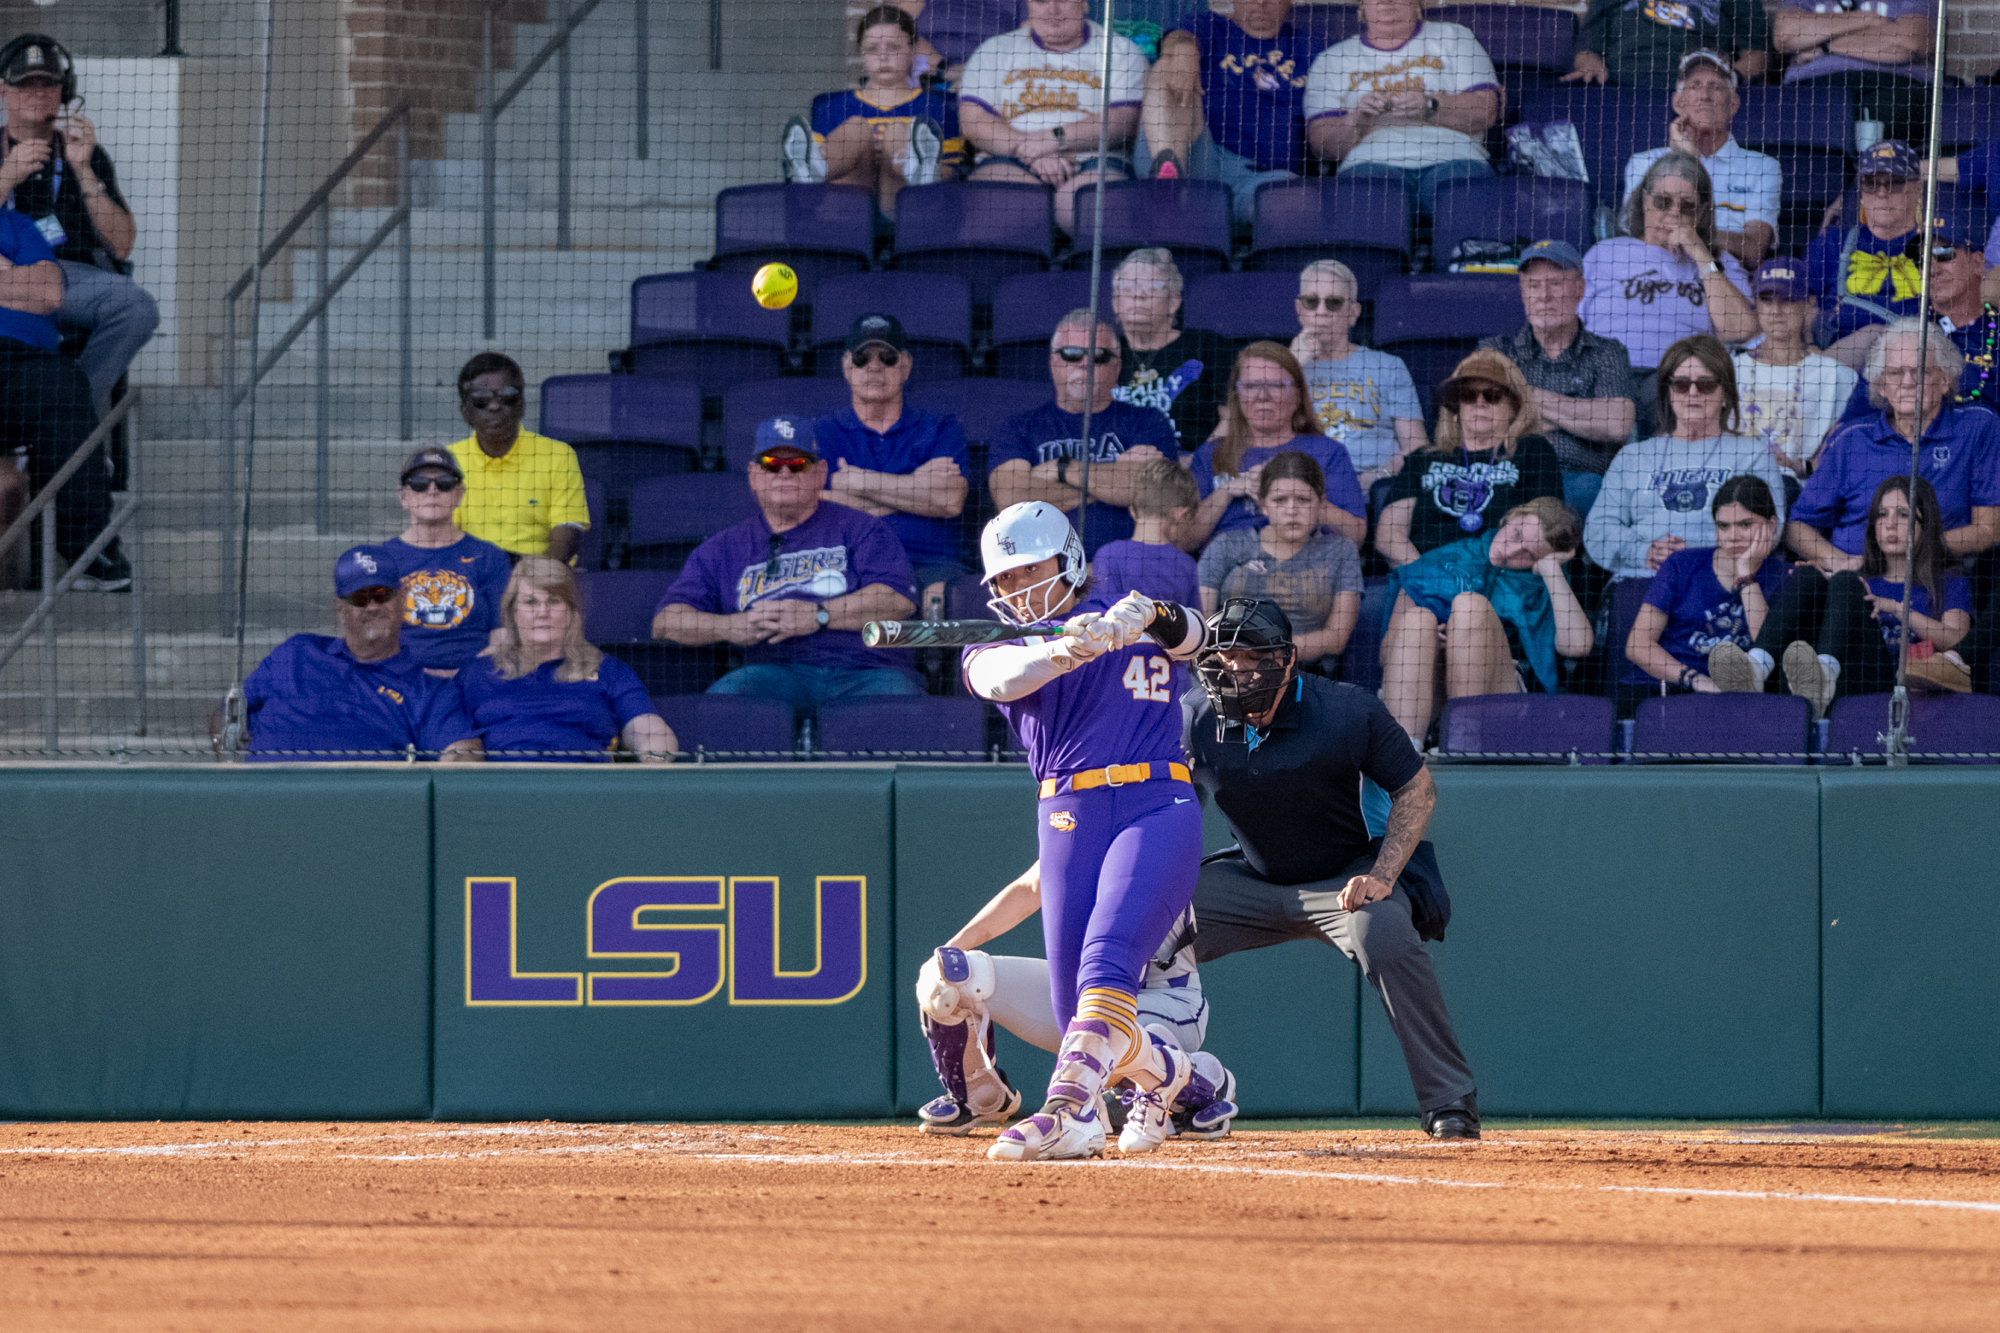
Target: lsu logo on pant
[
  {"x": 674, "y": 961},
  {"x": 1062, "y": 821}
]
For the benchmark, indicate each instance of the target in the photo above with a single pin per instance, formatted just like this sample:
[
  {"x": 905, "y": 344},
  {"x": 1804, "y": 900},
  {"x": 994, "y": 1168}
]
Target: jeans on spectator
[
  {"x": 1421, "y": 182},
  {"x": 1833, "y": 615},
  {"x": 45, "y": 408},
  {"x": 805, "y": 688},
  {"x": 120, "y": 317},
  {"x": 1210, "y": 161},
  {"x": 1580, "y": 491}
]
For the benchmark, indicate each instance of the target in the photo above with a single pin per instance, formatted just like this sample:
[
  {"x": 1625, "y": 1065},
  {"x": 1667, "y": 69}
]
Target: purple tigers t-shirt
[
  {"x": 1957, "y": 592},
  {"x": 1121, "y": 708},
  {"x": 1701, "y": 613},
  {"x": 835, "y": 552}
]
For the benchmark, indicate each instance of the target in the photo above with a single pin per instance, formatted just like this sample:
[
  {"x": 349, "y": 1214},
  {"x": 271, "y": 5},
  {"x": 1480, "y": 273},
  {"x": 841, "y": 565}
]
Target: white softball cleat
[
  {"x": 947, "y": 1115},
  {"x": 1059, "y": 1135},
  {"x": 1149, "y": 1120}
]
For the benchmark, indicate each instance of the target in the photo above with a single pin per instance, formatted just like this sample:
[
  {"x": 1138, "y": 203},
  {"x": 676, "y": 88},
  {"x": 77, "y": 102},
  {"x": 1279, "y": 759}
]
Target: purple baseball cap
[
  {"x": 1890, "y": 157},
  {"x": 364, "y": 567},
  {"x": 787, "y": 435},
  {"x": 1780, "y": 276}
]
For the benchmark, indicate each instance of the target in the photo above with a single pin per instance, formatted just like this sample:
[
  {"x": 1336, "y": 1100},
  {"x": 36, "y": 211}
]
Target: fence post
[
  {"x": 641, "y": 70},
  {"x": 51, "y": 724},
  {"x": 562, "y": 127},
  {"x": 489, "y": 168},
  {"x": 134, "y": 443},
  {"x": 407, "y": 380},
  {"x": 323, "y": 392}
]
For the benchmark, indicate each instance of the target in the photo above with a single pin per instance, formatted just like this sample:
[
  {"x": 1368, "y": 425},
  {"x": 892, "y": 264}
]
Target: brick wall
[{"x": 430, "y": 52}]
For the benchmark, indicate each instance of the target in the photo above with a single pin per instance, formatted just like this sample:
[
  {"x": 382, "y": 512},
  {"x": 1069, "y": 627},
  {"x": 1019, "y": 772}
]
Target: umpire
[{"x": 1283, "y": 756}]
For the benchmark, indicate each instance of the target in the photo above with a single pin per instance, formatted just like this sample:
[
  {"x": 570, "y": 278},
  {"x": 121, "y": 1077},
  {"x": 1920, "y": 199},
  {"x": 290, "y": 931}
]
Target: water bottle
[{"x": 1867, "y": 131}]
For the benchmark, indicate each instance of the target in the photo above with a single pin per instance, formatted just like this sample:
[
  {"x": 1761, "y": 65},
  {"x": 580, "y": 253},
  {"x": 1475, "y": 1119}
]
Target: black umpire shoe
[{"x": 1456, "y": 1120}]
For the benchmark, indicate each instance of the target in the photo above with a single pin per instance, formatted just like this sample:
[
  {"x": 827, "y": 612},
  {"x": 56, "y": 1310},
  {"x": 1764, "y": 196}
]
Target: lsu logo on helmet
[
  {"x": 436, "y": 599},
  {"x": 1062, "y": 821}
]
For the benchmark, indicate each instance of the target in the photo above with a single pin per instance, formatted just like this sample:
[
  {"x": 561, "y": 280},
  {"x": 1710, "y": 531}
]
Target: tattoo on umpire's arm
[{"x": 1409, "y": 816}]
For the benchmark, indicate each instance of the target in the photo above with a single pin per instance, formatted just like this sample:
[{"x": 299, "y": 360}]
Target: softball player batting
[
  {"x": 962, "y": 992},
  {"x": 1118, "y": 823}
]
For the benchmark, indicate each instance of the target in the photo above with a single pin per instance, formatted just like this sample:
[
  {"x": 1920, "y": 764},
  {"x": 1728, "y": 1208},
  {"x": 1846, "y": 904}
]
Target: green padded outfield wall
[
  {"x": 215, "y": 943},
  {"x": 662, "y": 944}
]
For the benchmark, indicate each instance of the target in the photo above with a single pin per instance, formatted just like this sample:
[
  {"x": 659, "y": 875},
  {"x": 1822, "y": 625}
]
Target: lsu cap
[
  {"x": 1891, "y": 157},
  {"x": 788, "y": 437},
  {"x": 1560, "y": 253},
  {"x": 876, "y": 328},
  {"x": 364, "y": 567},
  {"x": 1694, "y": 60},
  {"x": 441, "y": 459},
  {"x": 1780, "y": 277}
]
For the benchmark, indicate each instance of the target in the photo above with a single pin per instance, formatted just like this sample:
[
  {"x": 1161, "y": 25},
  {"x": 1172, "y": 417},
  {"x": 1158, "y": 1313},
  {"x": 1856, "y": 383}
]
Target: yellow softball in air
[{"x": 775, "y": 286}]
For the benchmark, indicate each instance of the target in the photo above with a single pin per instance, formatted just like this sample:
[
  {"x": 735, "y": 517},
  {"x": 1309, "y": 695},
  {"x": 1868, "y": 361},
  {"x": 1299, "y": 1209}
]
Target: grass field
[{"x": 1327, "y": 1224}]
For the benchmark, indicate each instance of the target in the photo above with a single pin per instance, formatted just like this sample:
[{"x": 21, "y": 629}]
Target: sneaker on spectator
[
  {"x": 795, "y": 147},
  {"x": 110, "y": 572},
  {"x": 1166, "y": 165},
  {"x": 1734, "y": 671},
  {"x": 926, "y": 150},
  {"x": 1811, "y": 675}
]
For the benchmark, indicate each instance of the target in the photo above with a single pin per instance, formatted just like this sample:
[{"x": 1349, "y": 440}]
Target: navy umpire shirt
[{"x": 1293, "y": 799}]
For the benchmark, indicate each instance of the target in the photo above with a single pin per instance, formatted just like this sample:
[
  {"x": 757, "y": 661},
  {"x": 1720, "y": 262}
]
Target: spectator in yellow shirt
[{"x": 523, "y": 491}]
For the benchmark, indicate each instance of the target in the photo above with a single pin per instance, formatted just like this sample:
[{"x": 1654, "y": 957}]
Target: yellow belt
[{"x": 1117, "y": 775}]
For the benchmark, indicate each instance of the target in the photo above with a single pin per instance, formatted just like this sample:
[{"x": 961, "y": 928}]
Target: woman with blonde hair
[
  {"x": 1489, "y": 458},
  {"x": 542, "y": 692},
  {"x": 1270, "y": 412}
]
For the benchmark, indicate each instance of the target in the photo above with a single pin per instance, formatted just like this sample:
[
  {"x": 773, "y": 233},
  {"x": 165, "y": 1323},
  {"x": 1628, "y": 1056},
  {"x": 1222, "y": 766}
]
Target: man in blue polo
[
  {"x": 793, "y": 584},
  {"x": 1959, "y": 454},
  {"x": 358, "y": 696},
  {"x": 906, "y": 466}
]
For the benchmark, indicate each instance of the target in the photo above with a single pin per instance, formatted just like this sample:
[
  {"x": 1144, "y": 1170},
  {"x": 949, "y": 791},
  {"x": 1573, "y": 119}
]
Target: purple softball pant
[{"x": 1118, "y": 865}]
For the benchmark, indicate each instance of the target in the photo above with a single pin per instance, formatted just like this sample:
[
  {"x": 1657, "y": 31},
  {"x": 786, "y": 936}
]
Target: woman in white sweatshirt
[{"x": 1656, "y": 494}]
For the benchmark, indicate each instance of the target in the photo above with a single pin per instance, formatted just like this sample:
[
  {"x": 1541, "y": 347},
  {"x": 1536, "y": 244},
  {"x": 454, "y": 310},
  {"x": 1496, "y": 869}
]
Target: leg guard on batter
[{"x": 1103, "y": 1045}]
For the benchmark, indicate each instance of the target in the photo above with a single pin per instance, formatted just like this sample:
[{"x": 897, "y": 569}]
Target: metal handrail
[{"x": 46, "y": 496}]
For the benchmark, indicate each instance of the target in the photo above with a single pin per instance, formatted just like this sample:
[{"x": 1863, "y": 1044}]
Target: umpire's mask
[{"x": 1247, "y": 658}]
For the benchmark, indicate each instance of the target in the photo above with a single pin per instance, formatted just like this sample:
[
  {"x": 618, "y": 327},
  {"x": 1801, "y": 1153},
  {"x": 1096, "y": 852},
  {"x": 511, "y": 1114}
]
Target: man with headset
[{"x": 56, "y": 174}]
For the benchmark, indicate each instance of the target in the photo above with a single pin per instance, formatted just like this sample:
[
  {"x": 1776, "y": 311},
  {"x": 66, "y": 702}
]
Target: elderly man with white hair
[
  {"x": 1912, "y": 372},
  {"x": 1182, "y": 372}
]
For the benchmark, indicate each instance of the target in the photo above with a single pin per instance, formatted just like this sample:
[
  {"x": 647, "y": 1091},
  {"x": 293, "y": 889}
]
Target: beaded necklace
[{"x": 1984, "y": 389}]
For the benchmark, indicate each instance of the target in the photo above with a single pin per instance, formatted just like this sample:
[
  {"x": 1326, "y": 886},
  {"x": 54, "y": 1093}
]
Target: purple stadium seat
[
  {"x": 1025, "y": 310},
  {"x": 1971, "y": 116},
  {"x": 1189, "y": 217},
  {"x": 981, "y": 405},
  {"x": 904, "y": 728},
  {"x": 706, "y": 328},
  {"x": 688, "y": 508},
  {"x": 1434, "y": 322},
  {"x": 1555, "y": 725},
  {"x": 822, "y": 231},
  {"x": 1810, "y": 131},
  {"x": 745, "y": 406},
  {"x": 590, "y": 547},
  {"x": 1336, "y": 22},
  {"x": 618, "y": 605},
  {"x": 935, "y": 309},
  {"x": 1510, "y": 208},
  {"x": 1363, "y": 223},
  {"x": 979, "y": 230},
  {"x": 1361, "y": 663},
  {"x": 1700, "y": 728},
  {"x": 670, "y": 668},
  {"x": 1940, "y": 724},
  {"x": 1611, "y": 123},
  {"x": 704, "y": 723},
  {"x": 1524, "y": 36},
  {"x": 1245, "y": 305},
  {"x": 955, "y": 28},
  {"x": 965, "y": 598},
  {"x": 624, "y": 427}
]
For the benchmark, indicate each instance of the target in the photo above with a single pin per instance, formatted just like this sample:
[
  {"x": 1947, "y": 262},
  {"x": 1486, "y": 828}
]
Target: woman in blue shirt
[
  {"x": 543, "y": 693},
  {"x": 1705, "y": 607}
]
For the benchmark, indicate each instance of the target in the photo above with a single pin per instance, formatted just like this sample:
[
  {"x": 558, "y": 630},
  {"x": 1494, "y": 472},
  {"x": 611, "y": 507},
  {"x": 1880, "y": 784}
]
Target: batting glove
[
  {"x": 1130, "y": 618},
  {"x": 1087, "y": 636}
]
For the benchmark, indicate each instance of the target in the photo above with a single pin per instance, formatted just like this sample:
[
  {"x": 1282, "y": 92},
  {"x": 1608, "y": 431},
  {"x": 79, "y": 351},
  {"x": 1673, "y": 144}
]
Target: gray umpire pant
[{"x": 1235, "y": 909}]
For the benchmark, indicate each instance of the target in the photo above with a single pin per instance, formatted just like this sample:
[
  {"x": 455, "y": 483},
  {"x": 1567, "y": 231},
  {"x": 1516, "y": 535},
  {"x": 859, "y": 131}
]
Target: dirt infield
[{"x": 550, "y": 1226}]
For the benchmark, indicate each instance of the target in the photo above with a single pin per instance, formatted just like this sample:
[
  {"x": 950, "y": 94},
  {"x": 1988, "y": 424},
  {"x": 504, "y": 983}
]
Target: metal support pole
[
  {"x": 51, "y": 722},
  {"x": 642, "y": 67},
  {"x": 323, "y": 393},
  {"x": 489, "y": 169},
  {"x": 407, "y": 374},
  {"x": 134, "y": 447},
  {"x": 562, "y": 127},
  {"x": 226, "y": 566},
  {"x": 715, "y": 34},
  {"x": 1096, "y": 268},
  {"x": 172, "y": 45}
]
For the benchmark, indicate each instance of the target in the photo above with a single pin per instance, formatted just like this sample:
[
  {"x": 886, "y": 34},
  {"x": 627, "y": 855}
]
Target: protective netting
[{"x": 1547, "y": 366}]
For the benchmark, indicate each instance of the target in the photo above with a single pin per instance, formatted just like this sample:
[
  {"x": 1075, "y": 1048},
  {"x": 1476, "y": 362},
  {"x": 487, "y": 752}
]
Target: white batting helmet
[{"x": 1027, "y": 534}]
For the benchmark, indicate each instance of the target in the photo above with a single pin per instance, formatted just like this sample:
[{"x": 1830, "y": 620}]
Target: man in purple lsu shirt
[{"x": 1118, "y": 823}]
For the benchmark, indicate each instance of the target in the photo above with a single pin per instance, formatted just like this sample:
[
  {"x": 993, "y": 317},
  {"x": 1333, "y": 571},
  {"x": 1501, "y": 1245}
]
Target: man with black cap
[
  {"x": 793, "y": 584},
  {"x": 57, "y": 175},
  {"x": 452, "y": 581},
  {"x": 906, "y": 466},
  {"x": 1329, "y": 803},
  {"x": 358, "y": 696}
]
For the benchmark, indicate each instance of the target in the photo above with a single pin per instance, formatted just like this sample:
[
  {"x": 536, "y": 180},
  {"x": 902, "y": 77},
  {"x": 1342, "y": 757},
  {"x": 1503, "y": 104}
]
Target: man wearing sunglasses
[
  {"x": 1746, "y": 182},
  {"x": 1865, "y": 276},
  {"x": 1038, "y": 454},
  {"x": 906, "y": 466},
  {"x": 452, "y": 582},
  {"x": 793, "y": 584},
  {"x": 523, "y": 491},
  {"x": 356, "y": 697},
  {"x": 1962, "y": 309}
]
